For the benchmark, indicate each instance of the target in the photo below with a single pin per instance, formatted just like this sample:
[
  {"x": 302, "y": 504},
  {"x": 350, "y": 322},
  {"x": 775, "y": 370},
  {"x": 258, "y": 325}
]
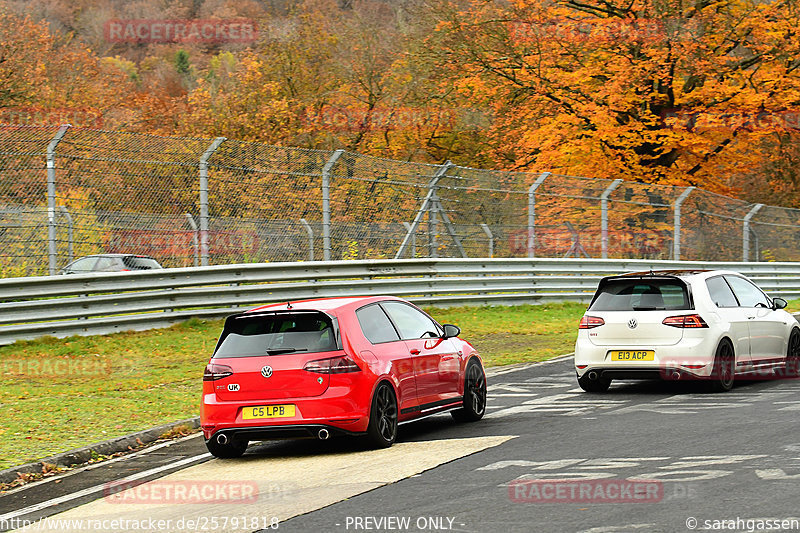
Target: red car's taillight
[
  {"x": 214, "y": 372},
  {"x": 589, "y": 322},
  {"x": 335, "y": 365},
  {"x": 685, "y": 321}
]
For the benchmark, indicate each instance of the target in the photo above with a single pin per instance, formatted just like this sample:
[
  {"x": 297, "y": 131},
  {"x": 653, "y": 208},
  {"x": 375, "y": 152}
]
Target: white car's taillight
[
  {"x": 334, "y": 365},
  {"x": 589, "y": 322},
  {"x": 685, "y": 321},
  {"x": 214, "y": 372}
]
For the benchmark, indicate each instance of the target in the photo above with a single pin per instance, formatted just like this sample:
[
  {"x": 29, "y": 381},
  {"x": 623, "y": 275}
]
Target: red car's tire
[
  {"x": 474, "y": 394},
  {"x": 382, "y": 428},
  {"x": 230, "y": 450}
]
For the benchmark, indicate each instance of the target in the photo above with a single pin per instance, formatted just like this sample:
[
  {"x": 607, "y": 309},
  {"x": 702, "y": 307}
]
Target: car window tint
[
  {"x": 410, "y": 323},
  {"x": 140, "y": 263},
  {"x": 641, "y": 295},
  {"x": 83, "y": 265},
  {"x": 278, "y": 334},
  {"x": 748, "y": 294},
  {"x": 106, "y": 264},
  {"x": 720, "y": 292},
  {"x": 375, "y": 325}
]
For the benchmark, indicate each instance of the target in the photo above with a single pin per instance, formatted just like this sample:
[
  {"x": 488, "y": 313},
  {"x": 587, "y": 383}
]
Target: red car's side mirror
[{"x": 451, "y": 331}]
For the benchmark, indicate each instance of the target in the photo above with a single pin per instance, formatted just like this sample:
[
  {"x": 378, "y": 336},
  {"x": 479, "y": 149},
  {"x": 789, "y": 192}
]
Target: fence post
[
  {"x": 310, "y": 232},
  {"x": 746, "y": 232},
  {"x": 427, "y": 205},
  {"x": 413, "y": 240},
  {"x": 326, "y": 204},
  {"x": 604, "y": 217},
  {"x": 532, "y": 213},
  {"x": 195, "y": 240},
  {"x": 676, "y": 232},
  {"x": 489, "y": 234},
  {"x": 204, "y": 199},
  {"x": 70, "y": 232},
  {"x": 52, "y": 250},
  {"x": 433, "y": 225}
]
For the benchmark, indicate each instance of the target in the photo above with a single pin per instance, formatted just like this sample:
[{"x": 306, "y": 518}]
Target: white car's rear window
[{"x": 638, "y": 294}]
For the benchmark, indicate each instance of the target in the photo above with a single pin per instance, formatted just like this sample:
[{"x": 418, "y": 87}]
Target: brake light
[
  {"x": 589, "y": 322},
  {"x": 685, "y": 321},
  {"x": 334, "y": 365},
  {"x": 214, "y": 372}
]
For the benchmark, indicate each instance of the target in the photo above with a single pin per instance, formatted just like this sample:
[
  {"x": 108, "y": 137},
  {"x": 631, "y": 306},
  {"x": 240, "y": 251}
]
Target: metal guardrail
[{"x": 92, "y": 304}]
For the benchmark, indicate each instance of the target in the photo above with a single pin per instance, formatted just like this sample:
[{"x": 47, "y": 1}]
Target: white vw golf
[{"x": 684, "y": 324}]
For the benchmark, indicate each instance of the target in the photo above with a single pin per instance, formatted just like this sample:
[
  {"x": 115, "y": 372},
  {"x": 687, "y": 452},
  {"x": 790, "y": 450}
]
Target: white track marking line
[
  {"x": 125, "y": 457},
  {"x": 99, "y": 488},
  {"x": 499, "y": 371}
]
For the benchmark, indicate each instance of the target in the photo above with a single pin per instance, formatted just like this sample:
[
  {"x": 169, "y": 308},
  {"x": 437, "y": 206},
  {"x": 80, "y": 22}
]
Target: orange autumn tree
[
  {"x": 47, "y": 78},
  {"x": 670, "y": 92}
]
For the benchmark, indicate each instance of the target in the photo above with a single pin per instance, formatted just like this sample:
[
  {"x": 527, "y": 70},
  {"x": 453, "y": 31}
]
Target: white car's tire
[{"x": 723, "y": 369}]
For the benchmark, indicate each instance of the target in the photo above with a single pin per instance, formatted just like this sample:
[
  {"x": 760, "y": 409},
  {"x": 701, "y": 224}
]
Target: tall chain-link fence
[{"x": 67, "y": 192}]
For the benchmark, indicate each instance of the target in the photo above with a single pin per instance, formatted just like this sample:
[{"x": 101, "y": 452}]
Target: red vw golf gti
[{"x": 335, "y": 366}]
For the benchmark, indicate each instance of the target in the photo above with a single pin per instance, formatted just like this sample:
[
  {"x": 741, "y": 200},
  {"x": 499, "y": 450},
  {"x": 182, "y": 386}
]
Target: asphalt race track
[{"x": 646, "y": 456}]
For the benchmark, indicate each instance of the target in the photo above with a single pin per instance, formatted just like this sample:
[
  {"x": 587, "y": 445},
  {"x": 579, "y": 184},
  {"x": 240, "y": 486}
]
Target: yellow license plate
[
  {"x": 268, "y": 411},
  {"x": 633, "y": 355}
]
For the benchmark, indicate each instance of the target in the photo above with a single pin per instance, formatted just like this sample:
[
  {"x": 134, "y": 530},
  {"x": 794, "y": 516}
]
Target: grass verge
[{"x": 60, "y": 394}]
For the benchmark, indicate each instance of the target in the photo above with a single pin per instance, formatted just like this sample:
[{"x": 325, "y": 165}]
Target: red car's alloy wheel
[
  {"x": 476, "y": 391},
  {"x": 382, "y": 430},
  {"x": 474, "y": 394}
]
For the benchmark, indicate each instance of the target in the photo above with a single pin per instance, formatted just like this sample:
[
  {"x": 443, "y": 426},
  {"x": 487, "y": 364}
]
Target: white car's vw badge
[
  {"x": 631, "y": 324},
  {"x": 266, "y": 371}
]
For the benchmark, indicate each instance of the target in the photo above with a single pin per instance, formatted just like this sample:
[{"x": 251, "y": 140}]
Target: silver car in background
[{"x": 110, "y": 263}]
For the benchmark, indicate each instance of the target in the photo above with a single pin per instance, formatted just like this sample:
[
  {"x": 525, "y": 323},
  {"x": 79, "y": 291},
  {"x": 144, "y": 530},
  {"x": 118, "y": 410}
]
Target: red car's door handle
[{"x": 414, "y": 352}]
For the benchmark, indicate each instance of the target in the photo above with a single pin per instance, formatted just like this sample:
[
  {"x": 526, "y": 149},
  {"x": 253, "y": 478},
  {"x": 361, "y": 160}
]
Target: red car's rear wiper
[{"x": 278, "y": 351}]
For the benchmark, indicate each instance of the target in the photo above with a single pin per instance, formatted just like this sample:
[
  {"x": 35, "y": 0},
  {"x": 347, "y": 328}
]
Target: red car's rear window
[{"x": 276, "y": 334}]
